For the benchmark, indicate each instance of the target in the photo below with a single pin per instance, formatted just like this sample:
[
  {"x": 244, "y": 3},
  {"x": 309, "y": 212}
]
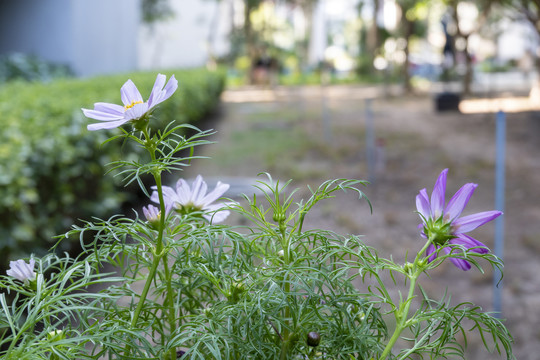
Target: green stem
[
  {"x": 158, "y": 253},
  {"x": 170, "y": 302},
  {"x": 301, "y": 222},
  {"x": 287, "y": 289},
  {"x": 286, "y": 334},
  {"x": 402, "y": 313},
  {"x": 144, "y": 294}
]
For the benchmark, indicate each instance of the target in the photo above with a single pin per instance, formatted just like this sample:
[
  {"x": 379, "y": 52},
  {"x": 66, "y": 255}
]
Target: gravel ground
[{"x": 310, "y": 134}]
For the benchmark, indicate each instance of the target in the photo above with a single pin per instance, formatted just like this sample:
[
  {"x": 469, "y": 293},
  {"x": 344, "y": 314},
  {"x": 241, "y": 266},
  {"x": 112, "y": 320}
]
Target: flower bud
[
  {"x": 313, "y": 339},
  {"x": 279, "y": 216},
  {"x": 235, "y": 291},
  {"x": 207, "y": 311},
  {"x": 56, "y": 335},
  {"x": 408, "y": 267}
]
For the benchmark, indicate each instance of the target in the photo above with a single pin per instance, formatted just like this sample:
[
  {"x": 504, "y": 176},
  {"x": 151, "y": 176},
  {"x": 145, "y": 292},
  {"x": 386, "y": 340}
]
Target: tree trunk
[
  {"x": 248, "y": 29},
  {"x": 467, "y": 78},
  {"x": 251, "y": 51},
  {"x": 372, "y": 40},
  {"x": 409, "y": 31},
  {"x": 469, "y": 71}
]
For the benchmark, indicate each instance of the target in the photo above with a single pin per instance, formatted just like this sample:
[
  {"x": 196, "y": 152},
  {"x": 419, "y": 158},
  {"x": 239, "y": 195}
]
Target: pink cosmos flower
[
  {"x": 186, "y": 199},
  {"x": 22, "y": 271},
  {"x": 443, "y": 224},
  {"x": 113, "y": 116}
]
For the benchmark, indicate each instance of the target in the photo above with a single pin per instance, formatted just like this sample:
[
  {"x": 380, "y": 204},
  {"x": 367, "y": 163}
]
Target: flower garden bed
[{"x": 269, "y": 289}]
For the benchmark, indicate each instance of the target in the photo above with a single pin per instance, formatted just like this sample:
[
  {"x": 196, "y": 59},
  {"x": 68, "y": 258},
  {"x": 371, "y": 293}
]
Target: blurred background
[
  {"x": 277, "y": 42},
  {"x": 392, "y": 91}
]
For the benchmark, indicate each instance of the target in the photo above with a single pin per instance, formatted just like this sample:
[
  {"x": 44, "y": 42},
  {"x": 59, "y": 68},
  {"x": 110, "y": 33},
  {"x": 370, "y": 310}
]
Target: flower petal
[
  {"x": 431, "y": 252},
  {"x": 158, "y": 86},
  {"x": 101, "y": 115},
  {"x": 471, "y": 222},
  {"x": 106, "y": 125},
  {"x": 460, "y": 263},
  {"x": 129, "y": 93},
  {"x": 159, "y": 94},
  {"x": 22, "y": 271},
  {"x": 109, "y": 108},
  {"x": 169, "y": 195},
  {"x": 422, "y": 204},
  {"x": 136, "y": 111},
  {"x": 151, "y": 213},
  {"x": 215, "y": 194},
  {"x": 198, "y": 190},
  {"x": 459, "y": 201},
  {"x": 183, "y": 192},
  {"x": 215, "y": 213},
  {"x": 437, "y": 196},
  {"x": 470, "y": 243}
]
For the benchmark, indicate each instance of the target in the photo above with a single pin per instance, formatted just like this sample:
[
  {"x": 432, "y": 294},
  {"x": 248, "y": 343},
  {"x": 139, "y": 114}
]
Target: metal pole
[
  {"x": 326, "y": 120},
  {"x": 500, "y": 143},
  {"x": 370, "y": 141}
]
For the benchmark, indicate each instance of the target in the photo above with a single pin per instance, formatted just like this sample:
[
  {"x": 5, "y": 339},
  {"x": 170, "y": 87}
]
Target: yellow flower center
[{"x": 133, "y": 103}]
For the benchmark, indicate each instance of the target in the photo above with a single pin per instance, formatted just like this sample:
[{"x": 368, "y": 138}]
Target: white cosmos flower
[
  {"x": 22, "y": 271},
  {"x": 134, "y": 108},
  {"x": 186, "y": 199}
]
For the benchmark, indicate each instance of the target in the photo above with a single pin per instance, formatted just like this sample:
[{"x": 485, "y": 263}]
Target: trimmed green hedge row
[{"x": 52, "y": 169}]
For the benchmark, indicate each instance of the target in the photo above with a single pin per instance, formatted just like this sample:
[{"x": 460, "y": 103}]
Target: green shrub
[
  {"x": 51, "y": 167},
  {"x": 31, "y": 68}
]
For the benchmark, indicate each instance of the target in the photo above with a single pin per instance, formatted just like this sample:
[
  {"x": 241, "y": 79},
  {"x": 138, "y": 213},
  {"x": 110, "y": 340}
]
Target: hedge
[{"x": 52, "y": 169}]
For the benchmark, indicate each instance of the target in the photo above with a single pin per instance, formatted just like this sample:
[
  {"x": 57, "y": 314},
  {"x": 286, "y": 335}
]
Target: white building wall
[
  {"x": 92, "y": 37},
  {"x": 182, "y": 41},
  {"x": 318, "y": 39},
  {"x": 105, "y": 36},
  {"x": 38, "y": 27}
]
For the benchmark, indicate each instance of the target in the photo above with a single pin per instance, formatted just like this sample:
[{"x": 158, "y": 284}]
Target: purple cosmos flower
[
  {"x": 134, "y": 107},
  {"x": 22, "y": 271},
  {"x": 188, "y": 199},
  {"x": 442, "y": 225}
]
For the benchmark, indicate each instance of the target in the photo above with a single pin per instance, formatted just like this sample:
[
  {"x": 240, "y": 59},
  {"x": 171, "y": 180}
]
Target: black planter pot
[{"x": 447, "y": 101}]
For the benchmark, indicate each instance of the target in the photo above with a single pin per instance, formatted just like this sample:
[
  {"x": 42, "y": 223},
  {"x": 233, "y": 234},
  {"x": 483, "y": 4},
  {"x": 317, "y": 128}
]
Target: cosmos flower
[
  {"x": 153, "y": 215},
  {"x": 443, "y": 224},
  {"x": 22, "y": 271},
  {"x": 113, "y": 116},
  {"x": 186, "y": 199}
]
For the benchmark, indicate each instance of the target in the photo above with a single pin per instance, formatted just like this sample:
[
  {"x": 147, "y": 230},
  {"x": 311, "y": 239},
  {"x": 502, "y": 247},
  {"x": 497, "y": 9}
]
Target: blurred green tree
[
  {"x": 530, "y": 9},
  {"x": 155, "y": 10},
  {"x": 412, "y": 24},
  {"x": 464, "y": 26}
]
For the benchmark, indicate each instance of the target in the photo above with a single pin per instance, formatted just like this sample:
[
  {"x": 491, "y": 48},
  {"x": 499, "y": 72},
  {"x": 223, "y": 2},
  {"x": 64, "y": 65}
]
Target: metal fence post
[{"x": 500, "y": 144}]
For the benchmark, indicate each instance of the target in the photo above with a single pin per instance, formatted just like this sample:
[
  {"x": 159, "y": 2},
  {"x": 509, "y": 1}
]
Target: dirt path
[{"x": 310, "y": 135}]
